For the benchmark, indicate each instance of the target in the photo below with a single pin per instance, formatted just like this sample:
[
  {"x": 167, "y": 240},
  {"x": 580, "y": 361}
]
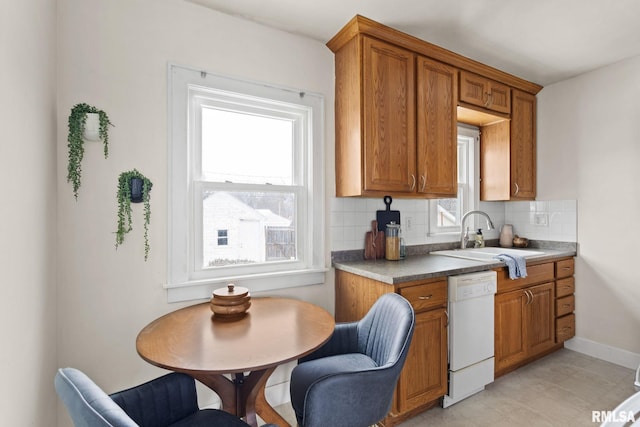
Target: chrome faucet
[{"x": 464, "y": 232}]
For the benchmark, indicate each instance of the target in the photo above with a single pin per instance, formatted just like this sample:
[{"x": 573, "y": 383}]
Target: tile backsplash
[
  {"x": 350, "y": 219},
  {"x": 552, "y": 220}
]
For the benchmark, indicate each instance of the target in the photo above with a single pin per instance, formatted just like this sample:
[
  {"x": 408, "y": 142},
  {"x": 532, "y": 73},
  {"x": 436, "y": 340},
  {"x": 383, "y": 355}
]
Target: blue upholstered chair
[
  {"x": 170, "y": 400},
  {"x": 349, "y": 382}
]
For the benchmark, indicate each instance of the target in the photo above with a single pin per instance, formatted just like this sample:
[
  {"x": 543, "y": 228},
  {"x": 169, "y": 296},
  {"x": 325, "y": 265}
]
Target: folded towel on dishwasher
[{"x": 517, "y": 265}]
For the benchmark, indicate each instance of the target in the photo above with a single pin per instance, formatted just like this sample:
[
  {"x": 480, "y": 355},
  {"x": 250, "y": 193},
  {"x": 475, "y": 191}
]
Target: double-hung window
[
  {"x": 246, "y": 192},
  {"x": 445, "y": 214}
]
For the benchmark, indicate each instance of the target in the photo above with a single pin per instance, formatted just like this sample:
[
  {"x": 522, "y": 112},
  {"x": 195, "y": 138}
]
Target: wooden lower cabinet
[
  {"x": 524, "y": 325},
  {"x": 533, "y": 315},
  {"x": 423, "y": 380},
  {"x": 540, "y": 331},
  {"x": 565, "y": 300}
]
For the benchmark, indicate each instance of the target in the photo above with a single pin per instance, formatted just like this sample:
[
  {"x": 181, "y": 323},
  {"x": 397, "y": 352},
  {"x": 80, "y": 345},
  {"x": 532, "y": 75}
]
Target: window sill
[{"x": 202, "y": 289}]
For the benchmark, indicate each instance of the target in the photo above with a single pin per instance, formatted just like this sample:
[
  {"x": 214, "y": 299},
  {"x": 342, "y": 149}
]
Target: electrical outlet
[
  {"x": 541, "y": 219},
  {"x": 409, "y": 223}
]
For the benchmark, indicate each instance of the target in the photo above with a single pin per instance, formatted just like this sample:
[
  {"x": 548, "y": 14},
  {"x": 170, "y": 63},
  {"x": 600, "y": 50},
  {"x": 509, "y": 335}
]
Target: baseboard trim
[{"x": 605, "y": 352}]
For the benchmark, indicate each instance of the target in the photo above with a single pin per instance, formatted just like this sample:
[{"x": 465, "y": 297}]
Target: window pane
[
  {"x": 247, "y": 227},
  {"x": 448, "y": 211},
  {"x": 462, "y": 159},
  {"x": 245, "y": 148}
]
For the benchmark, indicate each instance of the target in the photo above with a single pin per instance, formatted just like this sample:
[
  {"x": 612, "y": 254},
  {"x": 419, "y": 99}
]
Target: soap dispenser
[{"x": 479, "y": 240}]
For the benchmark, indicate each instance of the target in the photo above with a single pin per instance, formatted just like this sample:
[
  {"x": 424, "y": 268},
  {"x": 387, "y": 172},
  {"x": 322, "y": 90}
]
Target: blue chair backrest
[
  {"x": 385, "y": 332},
  {"x": 88, "y": 404}
]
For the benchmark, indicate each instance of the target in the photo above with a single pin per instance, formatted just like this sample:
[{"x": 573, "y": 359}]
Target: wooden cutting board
[
  {"x": 374, "y": 242},
  {"x": 387, "y": 216}
]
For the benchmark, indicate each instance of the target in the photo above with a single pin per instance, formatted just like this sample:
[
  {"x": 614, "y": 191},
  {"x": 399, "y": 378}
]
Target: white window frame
[
  {"x": 468, "y": 146},
  {"x": 186, "y": 279}
]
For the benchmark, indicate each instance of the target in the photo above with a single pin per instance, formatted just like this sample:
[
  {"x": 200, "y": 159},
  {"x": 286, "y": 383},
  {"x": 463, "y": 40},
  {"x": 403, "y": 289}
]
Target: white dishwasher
[{"x": 471, "y": 335}]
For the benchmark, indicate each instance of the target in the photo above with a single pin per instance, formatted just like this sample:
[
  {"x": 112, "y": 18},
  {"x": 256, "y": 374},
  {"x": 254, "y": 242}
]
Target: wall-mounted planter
[
  {"x": 92, "y": 127},
  {"x": 85, "y": 123},
  {"x": 137, "y": 186},
  {"x": 133, "y": 187}
]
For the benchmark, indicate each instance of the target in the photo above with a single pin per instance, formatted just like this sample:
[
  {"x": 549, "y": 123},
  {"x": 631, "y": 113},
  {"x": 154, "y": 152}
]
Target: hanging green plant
[
  {"x": 133, "y": 187},
  {"x": 76, "y": 138}
]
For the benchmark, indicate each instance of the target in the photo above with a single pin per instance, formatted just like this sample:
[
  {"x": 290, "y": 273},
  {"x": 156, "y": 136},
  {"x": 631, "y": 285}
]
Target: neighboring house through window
[{"x": 246, "y": 190}]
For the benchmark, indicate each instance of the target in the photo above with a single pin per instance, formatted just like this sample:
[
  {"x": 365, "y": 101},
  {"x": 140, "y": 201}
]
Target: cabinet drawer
[
  {"x": 565, "y": 268},
  {"x": 565, "y": 327},
  {"x": 426, "y": 296},
  {"x": 565, "y": 305},
  {"x": 535, "y": 274},
  {"x": 565, "y": 287}
]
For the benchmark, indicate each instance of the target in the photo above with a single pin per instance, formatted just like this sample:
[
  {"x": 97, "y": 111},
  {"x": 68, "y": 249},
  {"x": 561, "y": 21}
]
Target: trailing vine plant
[
  {"x": 75, "y": 139},
  {"x": 124, "y": 207}
]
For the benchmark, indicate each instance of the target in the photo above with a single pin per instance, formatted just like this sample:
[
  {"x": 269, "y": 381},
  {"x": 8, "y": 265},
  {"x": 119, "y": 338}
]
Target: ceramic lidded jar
[{"x": 231, "y": 302}]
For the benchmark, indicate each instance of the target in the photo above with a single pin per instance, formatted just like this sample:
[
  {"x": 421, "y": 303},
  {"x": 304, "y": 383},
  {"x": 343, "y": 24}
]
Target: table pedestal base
[{"x": 243, "y": 395}]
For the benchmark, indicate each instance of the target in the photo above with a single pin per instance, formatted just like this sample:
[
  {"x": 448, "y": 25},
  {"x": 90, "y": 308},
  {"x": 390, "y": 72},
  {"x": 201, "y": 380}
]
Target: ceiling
[{"x": 543, "y": 41}]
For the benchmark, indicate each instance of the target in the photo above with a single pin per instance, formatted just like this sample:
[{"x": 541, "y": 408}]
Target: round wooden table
[{"x": 274, "y": 331}]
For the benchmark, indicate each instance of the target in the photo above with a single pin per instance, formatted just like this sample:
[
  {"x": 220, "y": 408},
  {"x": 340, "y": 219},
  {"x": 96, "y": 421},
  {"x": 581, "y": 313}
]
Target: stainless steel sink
[{"x": 487, "y": 254}]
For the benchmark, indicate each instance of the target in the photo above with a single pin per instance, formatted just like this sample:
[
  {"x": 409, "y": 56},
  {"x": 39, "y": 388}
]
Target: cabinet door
[
  {"x": 389, "y": 117},
  {"x": 510, "y": 321},
  {"x": 437, "y": 92},
  {"x": 495, "y": 161},
  {"x": 424, "y": 376},
  {"x": 523, "y": 146},
  {"x": 540, "y": 327},
  {"x": 483, "y": 92}
]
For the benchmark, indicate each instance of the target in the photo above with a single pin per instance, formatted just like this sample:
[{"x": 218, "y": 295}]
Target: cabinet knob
[
  {"x": 413, "y": 184},
  {"x": 423, "y": 297},
  {"x": 424, "y": 182}
]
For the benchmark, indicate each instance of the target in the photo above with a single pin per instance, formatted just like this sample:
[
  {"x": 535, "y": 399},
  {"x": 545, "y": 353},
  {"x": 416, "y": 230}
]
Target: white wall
[
  {"x": 28, "y": 212},
  {"x": 113, "y": 54},
  {"x": 589, "y": 150}
]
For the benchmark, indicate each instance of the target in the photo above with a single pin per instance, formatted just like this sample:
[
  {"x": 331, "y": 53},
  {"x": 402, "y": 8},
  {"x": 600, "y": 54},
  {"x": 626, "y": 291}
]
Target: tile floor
[{"x": 561, "y": 390}]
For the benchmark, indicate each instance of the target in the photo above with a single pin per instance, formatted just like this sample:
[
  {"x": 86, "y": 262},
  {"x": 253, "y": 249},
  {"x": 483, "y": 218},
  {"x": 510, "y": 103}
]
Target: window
[
  {"x": 222, "y": 238},
  {"x": 445, "y": 214},
  {"x": 246, "y": 190}
]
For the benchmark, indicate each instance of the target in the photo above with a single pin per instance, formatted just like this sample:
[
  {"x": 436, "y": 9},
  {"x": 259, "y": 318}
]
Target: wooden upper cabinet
[
  {"x": 508, "y": 153},
  {"x": 375, "y": 118},
  {"x": 495, "y": 161},
  {"x": 389, "y": 117},
  {"x": 437, "y": 91},
  {"x": 523, "y": 146},
  {"x": 397, "y": 100},
  {"x": 483, "y": 92}
]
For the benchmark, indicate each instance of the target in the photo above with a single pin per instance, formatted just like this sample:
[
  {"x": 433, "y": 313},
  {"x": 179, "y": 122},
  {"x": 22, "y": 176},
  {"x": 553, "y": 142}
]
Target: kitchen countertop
[{"x": 418, "y": 267}]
